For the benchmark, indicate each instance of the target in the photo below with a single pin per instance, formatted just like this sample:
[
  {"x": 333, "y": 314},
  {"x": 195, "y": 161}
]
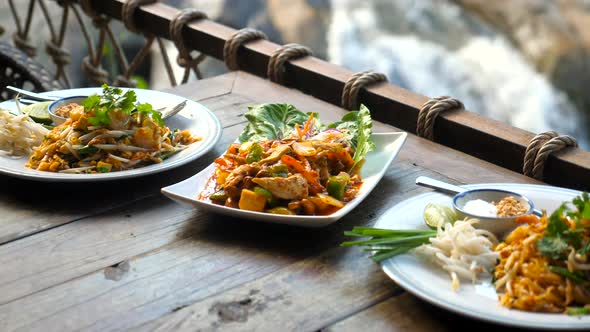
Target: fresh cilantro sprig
[
  {"x": 147, "y": 110},
  {"x": 577, "y": 276},
  {"x": 113, "y": 98},
  {"x": 558, "y": 235}
]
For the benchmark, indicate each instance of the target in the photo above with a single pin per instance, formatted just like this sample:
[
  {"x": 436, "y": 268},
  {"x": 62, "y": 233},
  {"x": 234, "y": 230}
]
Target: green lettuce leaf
[
  {"x": 357, "y": 127},
  {"x": 277, "y": 121},
  {"x": 273, "y": 121}
]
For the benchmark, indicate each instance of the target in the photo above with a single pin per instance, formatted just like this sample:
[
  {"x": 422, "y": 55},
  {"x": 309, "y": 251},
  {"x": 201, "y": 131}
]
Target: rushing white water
[{"x": 434, "y": 49}]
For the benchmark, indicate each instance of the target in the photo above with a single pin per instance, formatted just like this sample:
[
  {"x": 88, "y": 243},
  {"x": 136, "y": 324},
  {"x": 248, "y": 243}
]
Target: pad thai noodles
[
  {"x": 544, "y": 264},
  {"x": 287, "y": 162},
  {"x": 108, "y": 132}
]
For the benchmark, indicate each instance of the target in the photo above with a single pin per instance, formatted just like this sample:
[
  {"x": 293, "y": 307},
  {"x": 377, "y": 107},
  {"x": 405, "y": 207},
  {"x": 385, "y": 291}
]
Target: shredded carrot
[
  {"x": 312, "y": 177},
  {"x": 343, "y": 156},
  {"x": 306, "y": 127},
  {"x": 221, "y": 161},
  {"x": 224, "y": 163},
  {"x": 304, "y": 162}
]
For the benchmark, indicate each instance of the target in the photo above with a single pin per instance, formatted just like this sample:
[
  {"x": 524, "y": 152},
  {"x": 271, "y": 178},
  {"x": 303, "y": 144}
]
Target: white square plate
[{"x": 377, "y": 162}]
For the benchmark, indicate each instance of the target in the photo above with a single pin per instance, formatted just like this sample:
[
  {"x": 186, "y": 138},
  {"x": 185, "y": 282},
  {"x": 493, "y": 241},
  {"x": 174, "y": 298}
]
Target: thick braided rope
[
  {"x": 533, "y": 149},
  {"x": 276, "y": 65},
  {"x": 429, "y": 112},
  {"x": 176, "y": 25},
  {"x": 128, "y": 11},
  {"x": 24, "y": 44},
  {"x": 95, "y": 74},
  {"x": 355, "y": 83},
  {"x": 553, "y": 145},
  {"x": 21, "y": 35},
  {"x": 58, "y": 54},
  {"x": 185, "y": 59},
  {"x": 239, "y": 38},
  {"x": 91, "y": 64}
]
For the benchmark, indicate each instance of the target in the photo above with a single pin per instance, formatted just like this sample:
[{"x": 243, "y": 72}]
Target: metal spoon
[
  {"x": 32, "y": 95},
  {"x": 35, "y": 97}
]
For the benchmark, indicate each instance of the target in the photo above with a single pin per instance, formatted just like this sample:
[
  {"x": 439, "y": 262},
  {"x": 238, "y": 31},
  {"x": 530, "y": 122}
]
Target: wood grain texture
[
  {"x": 173, "y": 261},
  {"x": 405, "y": 312},
  {"x": 396, "y": 314}
]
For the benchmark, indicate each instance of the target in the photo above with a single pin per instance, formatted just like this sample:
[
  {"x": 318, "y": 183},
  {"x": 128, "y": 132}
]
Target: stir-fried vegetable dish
[
  {"x": 108, "y": 132},
  {"x": 287, "y": 162}
]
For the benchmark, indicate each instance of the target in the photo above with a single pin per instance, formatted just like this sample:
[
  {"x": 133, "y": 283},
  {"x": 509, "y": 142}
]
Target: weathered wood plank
[
  {"x": 197, "y": 256},
  {"x": 403, "y": 312},
  {"x": 28, "y": 207},
  {"x": 57, "y": 255},
  {"x": 305, "y": 296},
  {"x": 406, "y": 312}
]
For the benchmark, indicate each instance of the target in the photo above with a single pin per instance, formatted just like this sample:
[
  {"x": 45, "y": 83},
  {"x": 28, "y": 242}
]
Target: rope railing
[
  {"x": 442, "y": 119},
  {"x": 92, "y": 64}
]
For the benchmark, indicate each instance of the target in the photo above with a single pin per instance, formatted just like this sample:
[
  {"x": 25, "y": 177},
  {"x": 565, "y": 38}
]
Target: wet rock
[{"x": 552, "y": 35}]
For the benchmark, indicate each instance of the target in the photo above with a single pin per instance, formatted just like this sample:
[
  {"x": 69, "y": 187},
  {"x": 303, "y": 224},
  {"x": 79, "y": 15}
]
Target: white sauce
[{"x": 480, "y": 208}]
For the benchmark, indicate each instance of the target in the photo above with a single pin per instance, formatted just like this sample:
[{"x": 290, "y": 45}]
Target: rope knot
[
  {"x": 128, "y": 12},
  {"x": 101, "y": 21},
  {"x": 430, "y": 110},
  {"x": 355, "y": 83},
  {"x": 239, "y": 38},
  {"x": 24, "y": 44},
  {"x": 187, "y": 58},
  {"x": 539, "y": 149},
  {"x": 125, "y": 82},
  {"x": 60, "y": 55},
  {"x": 95, "y": 74},
  {"x": 276, "y": 65}
]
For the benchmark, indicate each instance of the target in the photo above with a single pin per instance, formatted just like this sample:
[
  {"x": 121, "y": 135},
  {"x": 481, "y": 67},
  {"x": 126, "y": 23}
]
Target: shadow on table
[
  {"x": 75, "y": 196},
  {"x": 291, "y": 240}
]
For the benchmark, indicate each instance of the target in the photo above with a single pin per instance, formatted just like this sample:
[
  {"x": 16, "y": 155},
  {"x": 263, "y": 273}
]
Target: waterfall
[{"x": 434, "y": 48}]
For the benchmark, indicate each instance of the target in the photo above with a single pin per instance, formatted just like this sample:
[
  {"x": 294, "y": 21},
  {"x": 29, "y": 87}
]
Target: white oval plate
[
  {"x": 377, "y": 162},
  {"x": 194, "y": 117},
  {"x": 478, "y": 301}
]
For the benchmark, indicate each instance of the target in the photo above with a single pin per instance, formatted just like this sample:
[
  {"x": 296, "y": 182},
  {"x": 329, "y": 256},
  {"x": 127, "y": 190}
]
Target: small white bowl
[
  {"x": 500, "y": 226},
  {"x": 60, "y": 103}
]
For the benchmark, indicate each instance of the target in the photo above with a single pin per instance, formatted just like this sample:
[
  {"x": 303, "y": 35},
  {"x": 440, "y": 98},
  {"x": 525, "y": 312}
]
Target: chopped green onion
[
  {"x": 578, "y": 311},
  {"x": 387, "y": 243}
]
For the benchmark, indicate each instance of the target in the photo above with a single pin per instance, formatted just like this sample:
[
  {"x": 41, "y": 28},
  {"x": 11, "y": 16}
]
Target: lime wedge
[
  {"x": 435, "y": 215},
  {"x": 38, "y": 112}
]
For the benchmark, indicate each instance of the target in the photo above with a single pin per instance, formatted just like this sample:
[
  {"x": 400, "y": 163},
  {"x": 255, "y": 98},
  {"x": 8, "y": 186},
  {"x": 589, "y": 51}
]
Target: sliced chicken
[
  {"x": 292, "y": 187},
  {"x": 276, "y": 154}
]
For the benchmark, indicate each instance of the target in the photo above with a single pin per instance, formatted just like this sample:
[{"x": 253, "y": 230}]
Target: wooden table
[{"x": 121, "y": 256}]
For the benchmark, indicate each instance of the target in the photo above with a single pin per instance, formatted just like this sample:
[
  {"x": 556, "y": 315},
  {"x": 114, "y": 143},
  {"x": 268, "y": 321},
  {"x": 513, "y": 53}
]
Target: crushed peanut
[{"x": 509, "y": 207}]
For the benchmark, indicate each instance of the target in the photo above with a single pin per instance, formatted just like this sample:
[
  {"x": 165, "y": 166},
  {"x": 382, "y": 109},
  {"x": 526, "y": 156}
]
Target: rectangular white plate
[{"x": 377, "y": 162}]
